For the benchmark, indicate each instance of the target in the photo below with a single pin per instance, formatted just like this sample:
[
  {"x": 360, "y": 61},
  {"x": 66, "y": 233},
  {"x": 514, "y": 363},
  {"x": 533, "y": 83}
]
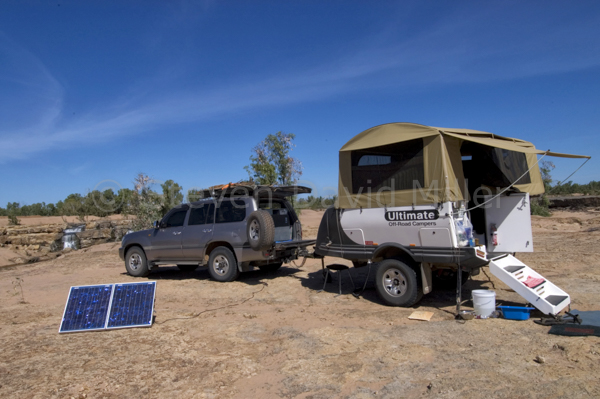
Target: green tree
[
  {"x": 145, "y": 204},
  {"x": 271, "y": 163},
  {"x": 194, "y": 195},
  {"x": 541, "y": 206},
  {"x": 12, "y": 210},
  {"x": 171, "y": 197},
  {"x": 546, "y": 169},
  {"x": 124, "y": 197},
  {"x": 73, "y": 205}
]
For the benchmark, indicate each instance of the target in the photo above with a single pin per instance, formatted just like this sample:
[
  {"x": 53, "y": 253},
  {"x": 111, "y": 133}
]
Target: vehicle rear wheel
[
  {"x": 272, "y": 267},
  {"x": 136, "y": 263},
  {"x": 222, "y": 265},
  {"x": 397, "y": 283},
  {"x": 187, "y": 268},
  {"x": 260, "y": 230}
]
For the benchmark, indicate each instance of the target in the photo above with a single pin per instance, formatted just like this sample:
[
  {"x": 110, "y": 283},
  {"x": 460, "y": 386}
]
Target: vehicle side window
[
  {"x": 231, "y": 211},
  {"x": 176, "y": 219},
  {"x": 198, "y": 215}
]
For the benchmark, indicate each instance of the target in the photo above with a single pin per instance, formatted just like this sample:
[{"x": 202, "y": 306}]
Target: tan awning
[{"x": 560, "y": 155}]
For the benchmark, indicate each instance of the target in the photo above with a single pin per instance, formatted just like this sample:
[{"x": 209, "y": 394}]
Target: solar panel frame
[{"x": 141, "y": 315}]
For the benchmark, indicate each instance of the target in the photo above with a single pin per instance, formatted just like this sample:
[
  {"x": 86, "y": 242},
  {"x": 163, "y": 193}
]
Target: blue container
[{"x": 515, "y": 312}]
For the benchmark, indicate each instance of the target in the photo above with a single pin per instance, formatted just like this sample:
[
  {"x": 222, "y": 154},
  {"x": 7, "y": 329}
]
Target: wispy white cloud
[{"x": 455, "y": 51}]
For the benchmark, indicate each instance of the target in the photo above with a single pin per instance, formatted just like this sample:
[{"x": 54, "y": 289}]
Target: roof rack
[{"x": 249, "y": 189}]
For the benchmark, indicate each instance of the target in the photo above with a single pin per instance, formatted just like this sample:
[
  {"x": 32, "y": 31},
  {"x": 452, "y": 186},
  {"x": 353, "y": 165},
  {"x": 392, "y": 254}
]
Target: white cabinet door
[{"x": 511, "y": 217}]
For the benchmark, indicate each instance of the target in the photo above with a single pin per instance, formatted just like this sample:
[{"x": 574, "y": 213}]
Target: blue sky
[{"x": 94, "y": 92}]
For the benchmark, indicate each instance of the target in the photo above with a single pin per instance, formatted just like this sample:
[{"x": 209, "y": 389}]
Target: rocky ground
[{"x": 273, "y": 335}]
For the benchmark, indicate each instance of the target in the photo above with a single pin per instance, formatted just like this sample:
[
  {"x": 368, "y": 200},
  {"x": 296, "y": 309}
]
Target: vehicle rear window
[
  {"x": 231, "y": 211},
  {"x": 395, "y": 166},
  {"x": 270, "y": 205},
  {"x": 198, "y": 214}
]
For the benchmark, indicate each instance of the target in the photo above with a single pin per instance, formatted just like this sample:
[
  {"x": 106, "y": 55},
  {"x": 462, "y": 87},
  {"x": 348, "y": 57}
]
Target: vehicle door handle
[
  {"x": 176, "y": 232},
  {"x": 206, "y": 230}
]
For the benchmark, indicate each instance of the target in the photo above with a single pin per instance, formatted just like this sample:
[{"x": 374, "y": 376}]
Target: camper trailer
[{"x": 429, "y": 203}]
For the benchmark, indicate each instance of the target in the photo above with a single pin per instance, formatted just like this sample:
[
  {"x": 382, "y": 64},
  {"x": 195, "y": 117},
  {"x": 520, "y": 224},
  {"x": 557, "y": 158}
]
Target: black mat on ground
[
  {"x": 590, "y": 325},
  {"x": 590, "y": 318},
  {"x": 574, "y": 330}
]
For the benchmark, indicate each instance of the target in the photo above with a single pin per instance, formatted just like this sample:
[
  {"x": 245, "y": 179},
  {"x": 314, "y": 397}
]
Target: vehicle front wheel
[
  {"x": 222, "y": 265},
  {"x": 397, "y": 283},
  {"x": 136, "y": 263}
]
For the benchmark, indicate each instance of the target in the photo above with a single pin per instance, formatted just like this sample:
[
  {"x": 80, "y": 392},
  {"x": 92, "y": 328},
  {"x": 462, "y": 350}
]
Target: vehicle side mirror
[{"x": 156, "y": 224}]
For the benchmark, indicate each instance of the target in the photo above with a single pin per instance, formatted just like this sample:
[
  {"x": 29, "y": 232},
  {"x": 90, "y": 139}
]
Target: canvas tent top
[{"x": 400, "y": 164}]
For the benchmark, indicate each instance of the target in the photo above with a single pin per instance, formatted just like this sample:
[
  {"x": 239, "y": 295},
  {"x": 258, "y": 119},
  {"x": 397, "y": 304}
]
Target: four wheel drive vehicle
[
  {"x": 235, "y": 229},
  {"x": 425, "y": 202}
]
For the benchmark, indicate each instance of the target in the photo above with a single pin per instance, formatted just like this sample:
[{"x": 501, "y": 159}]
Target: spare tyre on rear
[{"x": 260, "y": 230}]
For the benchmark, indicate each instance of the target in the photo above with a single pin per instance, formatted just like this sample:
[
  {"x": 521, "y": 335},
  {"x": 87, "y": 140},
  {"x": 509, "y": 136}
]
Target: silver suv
[{"x": 235, "y": 229}]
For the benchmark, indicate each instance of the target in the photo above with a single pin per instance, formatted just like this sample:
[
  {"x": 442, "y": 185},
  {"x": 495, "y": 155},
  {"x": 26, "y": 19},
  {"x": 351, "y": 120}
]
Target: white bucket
[{"x": 484, "y": 302}]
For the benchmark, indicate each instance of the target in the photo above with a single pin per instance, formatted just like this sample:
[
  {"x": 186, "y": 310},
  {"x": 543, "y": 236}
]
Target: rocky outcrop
[
  {"x": 43, "y": 239},
  {"x": 575, "y": 202}
]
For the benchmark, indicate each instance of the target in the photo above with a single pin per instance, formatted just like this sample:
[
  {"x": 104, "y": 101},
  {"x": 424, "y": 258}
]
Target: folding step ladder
[{"x": 541, "y": 293}]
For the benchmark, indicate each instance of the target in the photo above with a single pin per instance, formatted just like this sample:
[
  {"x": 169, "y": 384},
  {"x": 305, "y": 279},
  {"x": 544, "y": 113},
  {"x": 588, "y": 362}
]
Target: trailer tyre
[
  {"x": 260, "y": 230},
  {"x": 397, "y": 283}
]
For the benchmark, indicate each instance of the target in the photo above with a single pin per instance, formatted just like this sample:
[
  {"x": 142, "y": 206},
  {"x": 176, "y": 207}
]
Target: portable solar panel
[
  {"x": 132, "y": 305},
  {"x": 86, "y": 308},
  {"x": 109, "y": 306}
]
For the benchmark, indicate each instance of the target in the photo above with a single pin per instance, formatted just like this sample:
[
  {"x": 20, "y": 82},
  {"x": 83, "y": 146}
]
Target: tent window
[
  {"x": 495, "y": 167},
  {"x": 395, "y": 166},
  {"x": 512, "y": 165}
]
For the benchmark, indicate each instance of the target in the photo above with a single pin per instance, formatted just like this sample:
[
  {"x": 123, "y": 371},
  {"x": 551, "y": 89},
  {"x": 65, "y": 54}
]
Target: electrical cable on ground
[
  {"x": 301, "y": 264},
  {"x": 219, "y": 308},
  {"x": 489, "y": 278}
]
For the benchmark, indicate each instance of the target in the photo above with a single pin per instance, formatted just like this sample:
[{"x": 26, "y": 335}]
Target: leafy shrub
[
  {"x": 540, "y": 206},
  {"x": 13, "y": 220}
]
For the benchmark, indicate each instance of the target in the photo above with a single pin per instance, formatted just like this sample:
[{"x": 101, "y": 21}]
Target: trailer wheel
[
  {"x": 260, "y": 230},
  {"x": 397, "y": 283}
]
